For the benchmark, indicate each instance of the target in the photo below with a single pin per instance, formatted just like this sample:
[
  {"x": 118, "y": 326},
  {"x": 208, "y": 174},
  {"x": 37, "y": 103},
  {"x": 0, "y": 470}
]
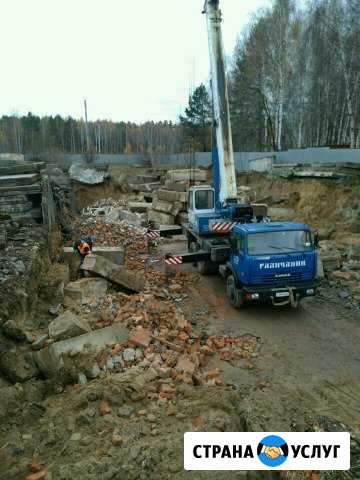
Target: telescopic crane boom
[{"x": 225, "y": 168}]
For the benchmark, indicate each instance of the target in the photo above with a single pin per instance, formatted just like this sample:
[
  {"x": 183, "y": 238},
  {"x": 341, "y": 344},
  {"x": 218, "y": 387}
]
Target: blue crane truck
[{"x": 259, "y": 259}]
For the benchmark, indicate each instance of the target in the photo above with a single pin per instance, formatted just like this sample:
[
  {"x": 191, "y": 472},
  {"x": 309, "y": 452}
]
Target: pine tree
[{"x": 197, "y": 123}]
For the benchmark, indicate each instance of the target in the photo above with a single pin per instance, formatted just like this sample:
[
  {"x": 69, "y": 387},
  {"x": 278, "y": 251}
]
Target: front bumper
[{"x": 281, "y": 295}]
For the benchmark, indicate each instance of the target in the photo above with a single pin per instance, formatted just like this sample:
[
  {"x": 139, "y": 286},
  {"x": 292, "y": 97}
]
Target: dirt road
[{"x": 308, "y": 363}]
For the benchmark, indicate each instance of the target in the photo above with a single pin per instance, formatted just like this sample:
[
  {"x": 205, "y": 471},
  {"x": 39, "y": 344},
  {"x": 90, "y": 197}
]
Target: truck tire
[{"x": 235, "y": 296}]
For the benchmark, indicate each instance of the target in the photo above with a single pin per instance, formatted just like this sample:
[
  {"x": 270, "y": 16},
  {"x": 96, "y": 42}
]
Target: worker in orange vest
[{"x": 83, "y": 247}]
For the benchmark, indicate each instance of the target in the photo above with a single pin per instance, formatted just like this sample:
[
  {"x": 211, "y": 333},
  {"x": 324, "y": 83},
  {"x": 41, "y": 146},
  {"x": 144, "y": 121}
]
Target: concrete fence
[{"x": 244, "y": 161}]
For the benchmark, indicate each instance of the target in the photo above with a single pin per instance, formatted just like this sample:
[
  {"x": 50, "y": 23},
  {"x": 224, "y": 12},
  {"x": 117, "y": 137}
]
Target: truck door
[{"x": 237, "y": 256}]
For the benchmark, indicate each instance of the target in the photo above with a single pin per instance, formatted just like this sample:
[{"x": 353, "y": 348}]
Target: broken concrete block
[
  {"x": 168, "y": 195},
  {"x": 89, "y": 176},
  {"x": 18, "y": 180},
  {"x": 18, "y": 367},
  {"x": 172, "y": 208},
  {"x": 49, "y": 359},
  {"x": 186, "y": 175},
  {"x": 115, "y": 273},
  {"x": 160, "y": 218},
  {"x": 114, "y": 254},
  {"x": 177, "y": 186},
  {"x": 133, "y": 218},
  {"x": 86, "y": 289},
  {"x": 144, "y": 187},
  {"x": 148, "y": 177},
  {"x": 66, "y": 326},
  {"x": 139, "y": 207}
]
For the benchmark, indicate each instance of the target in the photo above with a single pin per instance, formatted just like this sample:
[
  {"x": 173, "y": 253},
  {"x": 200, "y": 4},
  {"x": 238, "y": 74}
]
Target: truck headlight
[
  {"x": 255, "y": 296},
  {"x": 310, "y": 291}
]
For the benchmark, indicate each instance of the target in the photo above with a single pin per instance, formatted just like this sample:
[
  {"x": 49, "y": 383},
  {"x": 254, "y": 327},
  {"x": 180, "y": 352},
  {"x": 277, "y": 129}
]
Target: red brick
[
  {"x": 104, "y": 409},
  {"x": 141, "y": 337},
  {"x": 184, "y": 364},
  {"x": 37, "y": 475}
]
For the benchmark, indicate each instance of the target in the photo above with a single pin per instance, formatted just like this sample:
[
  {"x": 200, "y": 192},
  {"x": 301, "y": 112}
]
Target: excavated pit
[{"x": 117, "y": 424}]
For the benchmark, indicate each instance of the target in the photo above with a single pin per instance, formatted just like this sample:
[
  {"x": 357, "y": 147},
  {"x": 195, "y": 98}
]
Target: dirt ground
[
  {"x": 299, "y": 370},
  {"x": 308, "y": 363}
]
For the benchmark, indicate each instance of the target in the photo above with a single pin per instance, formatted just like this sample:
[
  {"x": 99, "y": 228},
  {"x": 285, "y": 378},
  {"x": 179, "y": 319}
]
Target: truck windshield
[
  {"x": 204, "y": 199},
  {"x": 279, "y": 242}
]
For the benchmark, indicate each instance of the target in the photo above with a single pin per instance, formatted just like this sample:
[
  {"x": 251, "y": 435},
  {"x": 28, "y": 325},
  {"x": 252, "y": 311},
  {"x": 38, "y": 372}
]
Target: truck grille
[{"x": 273, "y": 279}]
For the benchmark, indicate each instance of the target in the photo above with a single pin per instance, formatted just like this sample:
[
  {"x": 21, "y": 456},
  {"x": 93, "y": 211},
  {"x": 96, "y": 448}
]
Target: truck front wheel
[{"x": 235, "y": 296}]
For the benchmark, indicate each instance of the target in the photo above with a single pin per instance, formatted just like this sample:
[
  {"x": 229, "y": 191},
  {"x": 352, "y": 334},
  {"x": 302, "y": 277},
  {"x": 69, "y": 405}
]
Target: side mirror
[
  {"x": 316, "y": 240},
  {"x": 233, "y": 243}
]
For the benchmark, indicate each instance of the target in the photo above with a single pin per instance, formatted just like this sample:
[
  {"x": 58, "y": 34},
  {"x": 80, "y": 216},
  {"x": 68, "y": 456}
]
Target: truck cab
[
  {"x": 201, "y": 208},
  {"x": 270, "y": 261}
]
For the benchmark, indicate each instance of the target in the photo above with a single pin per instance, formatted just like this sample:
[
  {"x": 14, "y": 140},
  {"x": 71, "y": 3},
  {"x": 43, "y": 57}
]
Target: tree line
[
  {"x": 55, "y": 134},
  {"x": 295, "y": 78},
  {"x": 294, "y": 82}
]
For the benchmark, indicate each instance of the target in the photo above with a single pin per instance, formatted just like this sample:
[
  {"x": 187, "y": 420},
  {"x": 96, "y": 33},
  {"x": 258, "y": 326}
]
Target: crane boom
[{"x": 227, "y": 189}]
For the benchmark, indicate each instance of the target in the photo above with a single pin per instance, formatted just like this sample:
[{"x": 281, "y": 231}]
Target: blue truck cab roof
[{"x": 246, "y": 228}]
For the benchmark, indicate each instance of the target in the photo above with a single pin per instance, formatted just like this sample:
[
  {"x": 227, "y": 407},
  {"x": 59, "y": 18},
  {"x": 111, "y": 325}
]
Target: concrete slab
[
  {"x": 160, "y": 218},
  {"x": 115, "y": 273},
  {"x": 145, "y": 187},
  {"x": 20, "y": 190},
  {"x": 168, "y": 195},
  {"x": 186, "y": 175},
  {"x": 139, "y": 207},
  {"x": 21, "y": 169},
  {"x": 18, "y": 180},
  {"x": 133, "y": 218},
  {"x": 86, "y": 289},
  {"x": 49, "y": 359},
  {"x": 172, "y": 208},
  {"x": 114, "y": 254}
]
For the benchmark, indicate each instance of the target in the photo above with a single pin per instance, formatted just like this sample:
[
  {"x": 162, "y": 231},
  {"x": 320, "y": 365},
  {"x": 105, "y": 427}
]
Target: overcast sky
[{"x": 133, "y": 60}]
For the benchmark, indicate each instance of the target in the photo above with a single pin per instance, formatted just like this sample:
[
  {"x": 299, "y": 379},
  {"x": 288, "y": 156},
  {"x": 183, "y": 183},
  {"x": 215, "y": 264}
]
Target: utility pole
[{"x": 87, "y": 129}]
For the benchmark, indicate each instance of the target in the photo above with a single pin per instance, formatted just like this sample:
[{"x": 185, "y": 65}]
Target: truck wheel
[{"x": 235, "y": 296}]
